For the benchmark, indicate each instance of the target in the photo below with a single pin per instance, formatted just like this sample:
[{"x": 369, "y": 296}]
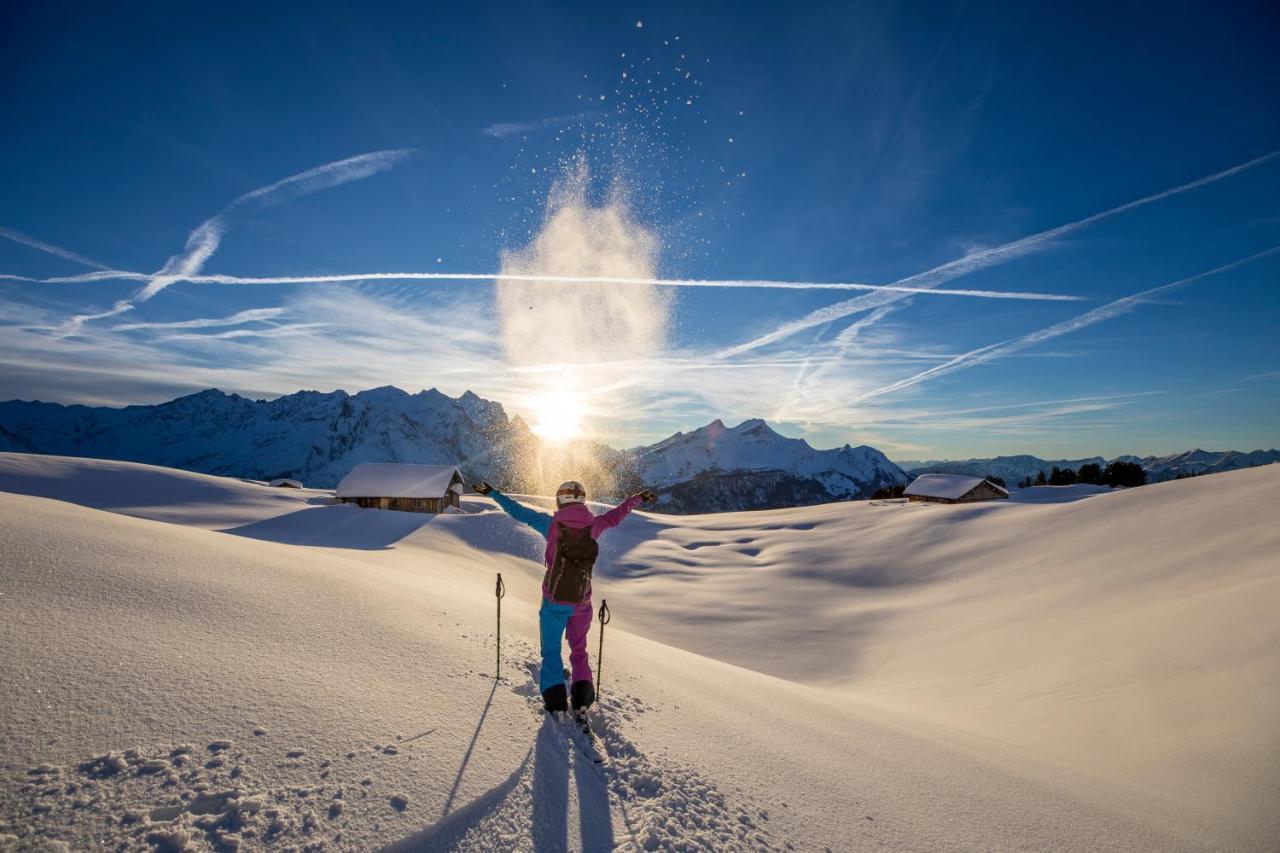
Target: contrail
[
  {"x": 252, "y": 315},
  {"x": 930, "y": 279},
  {"x": 73, "y": 324},
  {"x": 982, "y": 355},
  {"x": 845, "y": 341},
  {"x": 512, "y": 128},
  {"x": 205, "y": 239},
  {"x": 195, "y": 278},
  {"x": 49, "y": 248},
  {"x": 273, "y": 332}
]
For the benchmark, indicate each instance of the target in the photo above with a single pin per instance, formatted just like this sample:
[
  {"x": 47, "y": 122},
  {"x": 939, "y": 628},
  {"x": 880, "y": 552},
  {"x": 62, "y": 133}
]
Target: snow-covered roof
[
  {"x": 286, "y": 483},
  {"x": 397, "y": 480},
  {"x": 946, "y": 486}
]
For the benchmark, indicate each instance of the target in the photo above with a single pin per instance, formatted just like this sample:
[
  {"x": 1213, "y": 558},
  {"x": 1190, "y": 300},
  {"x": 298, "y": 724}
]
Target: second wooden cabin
[{"x": 953, "y": 489}]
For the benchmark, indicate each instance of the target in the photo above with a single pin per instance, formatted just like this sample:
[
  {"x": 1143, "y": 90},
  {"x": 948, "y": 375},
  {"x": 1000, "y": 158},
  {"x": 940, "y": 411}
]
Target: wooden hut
[
  {"x": 401, "y": 486},
  {"x": 285, "y": 483},
  {"x": 953, "y": 489}
]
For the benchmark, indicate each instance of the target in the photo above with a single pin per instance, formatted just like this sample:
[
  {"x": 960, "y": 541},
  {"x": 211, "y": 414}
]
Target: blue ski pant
[{"x": 556, "y": 620}]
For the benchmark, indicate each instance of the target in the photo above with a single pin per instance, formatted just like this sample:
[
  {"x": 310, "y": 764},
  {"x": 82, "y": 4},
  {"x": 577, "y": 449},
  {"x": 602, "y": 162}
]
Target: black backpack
[{"x": 569, "y": 577}]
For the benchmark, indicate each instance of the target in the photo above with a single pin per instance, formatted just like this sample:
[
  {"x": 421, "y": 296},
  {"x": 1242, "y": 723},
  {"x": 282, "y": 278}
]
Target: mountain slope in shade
[
  {"x": 1009, "y": 468},
  {"x": 310, "y": 436},
  {"x": 1195, "y": 462},
  {"x": 1158, "y": 468},
  {"x": 717, "y": 468}
]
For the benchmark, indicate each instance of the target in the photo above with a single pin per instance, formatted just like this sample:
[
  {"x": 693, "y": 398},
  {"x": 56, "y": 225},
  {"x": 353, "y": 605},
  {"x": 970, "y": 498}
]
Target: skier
[{"x": 566, "y": 587}]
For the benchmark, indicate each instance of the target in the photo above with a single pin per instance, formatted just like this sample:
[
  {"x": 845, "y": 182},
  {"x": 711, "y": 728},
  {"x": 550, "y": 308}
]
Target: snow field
[{"x": 259, "y": 668}]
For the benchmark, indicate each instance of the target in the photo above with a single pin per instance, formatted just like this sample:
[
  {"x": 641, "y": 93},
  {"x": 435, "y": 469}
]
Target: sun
[{"x": 557, "y": 415}]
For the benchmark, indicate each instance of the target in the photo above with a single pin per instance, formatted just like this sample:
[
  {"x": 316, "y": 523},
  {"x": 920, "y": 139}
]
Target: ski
[
  {"x": 573, "y": 723},
  {"x": 584, "y": 738}
]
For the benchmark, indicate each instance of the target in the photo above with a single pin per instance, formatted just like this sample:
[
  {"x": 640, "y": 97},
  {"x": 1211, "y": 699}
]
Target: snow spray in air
[{"x": 558, "y": 332}]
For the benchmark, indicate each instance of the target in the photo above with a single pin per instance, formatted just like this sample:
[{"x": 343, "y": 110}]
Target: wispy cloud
[
  {"x": 517, "y": 128},
  {"x": 73, "y": 324},
  {"x": 204, "y": 240},
  {"x": 975, "y": 261},
  {"x": 991, "y": 352},
  {"x": 250, "y": 316},
  {"x": 49, "y": 248},
  {"x": 236, "y": 334}
]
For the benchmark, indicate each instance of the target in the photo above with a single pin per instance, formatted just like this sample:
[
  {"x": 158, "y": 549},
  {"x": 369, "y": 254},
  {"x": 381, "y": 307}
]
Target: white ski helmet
[{"x": 570, "y": 492}]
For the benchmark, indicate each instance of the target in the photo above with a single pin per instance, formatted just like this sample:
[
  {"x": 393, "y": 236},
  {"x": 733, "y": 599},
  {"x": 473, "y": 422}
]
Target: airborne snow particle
[{"x": 639, "y": 24}]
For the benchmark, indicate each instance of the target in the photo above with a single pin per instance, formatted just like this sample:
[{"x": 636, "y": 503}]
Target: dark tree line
[{"x": 1118, "y": 473}]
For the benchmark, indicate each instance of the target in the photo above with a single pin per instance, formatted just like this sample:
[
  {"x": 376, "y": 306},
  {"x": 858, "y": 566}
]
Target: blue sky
[{"x": 996, "y": 150}]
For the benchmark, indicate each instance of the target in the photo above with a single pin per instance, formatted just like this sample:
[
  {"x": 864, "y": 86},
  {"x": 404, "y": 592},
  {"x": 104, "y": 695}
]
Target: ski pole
[
  {"x": 604, "y": 620},
  {"x": 499, "y": 591}
]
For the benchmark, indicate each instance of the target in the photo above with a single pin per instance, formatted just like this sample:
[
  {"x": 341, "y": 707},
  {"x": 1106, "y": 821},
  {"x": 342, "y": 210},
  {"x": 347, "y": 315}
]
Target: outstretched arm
[
  {"x": 614, "y": 517},
  {"x": 539, "y": 521}
]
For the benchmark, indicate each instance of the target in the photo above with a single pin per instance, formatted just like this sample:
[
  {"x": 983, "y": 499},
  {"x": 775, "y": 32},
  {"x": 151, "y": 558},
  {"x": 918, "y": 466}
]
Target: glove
[
  {"x": 648, "y": 496},
  {"x": 481, "y": 488}
]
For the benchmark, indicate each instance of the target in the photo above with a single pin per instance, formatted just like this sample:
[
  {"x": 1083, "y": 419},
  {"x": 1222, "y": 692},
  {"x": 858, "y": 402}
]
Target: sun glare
[{"x": 557, "y": 415}]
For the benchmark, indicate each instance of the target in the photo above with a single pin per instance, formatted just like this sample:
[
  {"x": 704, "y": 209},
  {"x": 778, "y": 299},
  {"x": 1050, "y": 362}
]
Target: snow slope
[{"x": 1097, "y": 673}]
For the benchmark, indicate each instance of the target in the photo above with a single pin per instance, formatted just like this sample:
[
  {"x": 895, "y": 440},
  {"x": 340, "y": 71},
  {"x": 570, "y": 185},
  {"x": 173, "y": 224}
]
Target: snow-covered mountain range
[
  {"x": 318, "y": 437},
  {"x": 750, "y": 466},
  {"x": 1158, "y": 468},
  {"x": 313, "y": 437}
]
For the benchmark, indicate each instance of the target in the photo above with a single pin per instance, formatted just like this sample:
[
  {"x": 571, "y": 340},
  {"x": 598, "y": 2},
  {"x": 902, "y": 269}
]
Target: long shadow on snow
[
  {"x": 550, "y": 807},
  {"x": 445, "y": 833},
  {"x": 594, "y": 818},
  {"x": 466, "y": 756},
  {"x": 343, "y": 526},
  {"x": 549, "y": 802}
]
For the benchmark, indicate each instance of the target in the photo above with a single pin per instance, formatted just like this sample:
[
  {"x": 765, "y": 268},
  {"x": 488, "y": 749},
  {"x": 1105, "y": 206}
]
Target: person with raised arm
[{"x": 571, "y": 534}]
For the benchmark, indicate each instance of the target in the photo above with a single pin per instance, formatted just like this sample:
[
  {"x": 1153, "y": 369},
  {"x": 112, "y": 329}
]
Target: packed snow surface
[{"x": 199, "y": 661}]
